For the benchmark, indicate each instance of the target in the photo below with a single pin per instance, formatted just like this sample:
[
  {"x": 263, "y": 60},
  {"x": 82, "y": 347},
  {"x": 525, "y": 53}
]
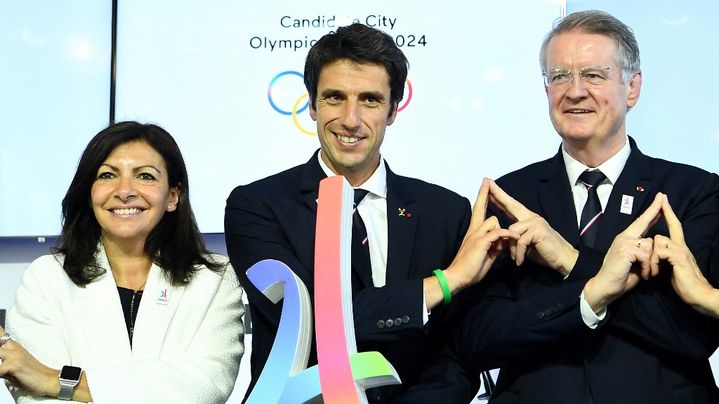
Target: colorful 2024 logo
[{"x": 342, "y": 374}]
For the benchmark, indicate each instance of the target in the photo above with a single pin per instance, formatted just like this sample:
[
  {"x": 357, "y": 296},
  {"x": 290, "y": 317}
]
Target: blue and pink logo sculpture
[{"x": 342, "y": 374}]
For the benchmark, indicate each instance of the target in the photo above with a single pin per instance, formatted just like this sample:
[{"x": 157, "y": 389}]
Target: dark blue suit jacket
[
  {"x": 652, "y": 348},
  {"x": 275, "y": 218}
]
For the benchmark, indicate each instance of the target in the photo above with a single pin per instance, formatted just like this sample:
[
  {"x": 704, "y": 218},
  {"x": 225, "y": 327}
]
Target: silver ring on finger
[{"x": 5, "y": 338}]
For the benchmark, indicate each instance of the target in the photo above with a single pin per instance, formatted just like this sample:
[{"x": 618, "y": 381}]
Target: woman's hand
[
  {"x": 24, "y": 371},
  {"x": 687, "y": 279}
]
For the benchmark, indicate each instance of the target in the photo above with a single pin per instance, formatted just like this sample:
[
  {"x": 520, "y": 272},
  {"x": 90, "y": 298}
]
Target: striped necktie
[
  {"x": 360, "y": 243},
  {"x": 592, "y": 208}
]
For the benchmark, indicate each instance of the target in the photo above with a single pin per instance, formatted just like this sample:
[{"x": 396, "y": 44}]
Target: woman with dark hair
[{"x": 131, "y": 307}]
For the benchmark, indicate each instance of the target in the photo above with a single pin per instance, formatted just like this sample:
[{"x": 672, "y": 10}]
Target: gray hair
[{"x": 602, "y": 23}]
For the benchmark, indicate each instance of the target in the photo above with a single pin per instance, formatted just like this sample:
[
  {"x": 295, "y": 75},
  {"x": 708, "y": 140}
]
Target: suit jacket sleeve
[
  {"x": 525, "y": 311},
  {"x": 35, "y": 322},
  {"x": 254, "y": 231},
  {"x": 504, "y": 328},
  {"x": 252, "y": 234},
  {"x": 203, "y": 370},
  {"x": 522, "y": 309}
]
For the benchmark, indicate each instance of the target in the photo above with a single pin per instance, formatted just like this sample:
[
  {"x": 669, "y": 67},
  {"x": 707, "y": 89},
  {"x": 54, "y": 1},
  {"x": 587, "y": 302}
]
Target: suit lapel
[
  {"x": 556, "y": 199},
  {"x": 635, "y": 183},
  {"x": 310, "y": 179},
  {"x": 401, "y": 229}
]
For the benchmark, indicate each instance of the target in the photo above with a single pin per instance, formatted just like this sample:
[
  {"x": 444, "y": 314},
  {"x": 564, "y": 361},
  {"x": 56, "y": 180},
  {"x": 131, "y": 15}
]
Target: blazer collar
[
  {"x": 401, "y": 227},
  {"x": 401, "y": 219},
  {"x": 310, "y": 176},
  {"x": 556, "y": 200},
  {"x": 634, "y": 185},
  {"x": 102, "y": 321}
]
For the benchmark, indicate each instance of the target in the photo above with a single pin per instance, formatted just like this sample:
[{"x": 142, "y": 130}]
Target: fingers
[
  {"x": 641, "y": 225},
  {"x": 522, "y": 248},
  {"x": 491, "y": 226},
  {"x": 660, "y": 243},
  {"x": 675, "y": 226},
  {"x": 645, "y": 247},
  {"x": 503, "y": 234},
  {"x": 661, "y": 246},
  {"x": 480, "y": 204},
  {"x": 488, "y": 225},
  {"x": 515, "y": 210}
]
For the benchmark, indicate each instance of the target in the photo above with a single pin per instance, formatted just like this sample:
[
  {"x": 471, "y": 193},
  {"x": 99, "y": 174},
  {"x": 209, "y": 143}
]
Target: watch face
[{"x": 70, "y": 373}]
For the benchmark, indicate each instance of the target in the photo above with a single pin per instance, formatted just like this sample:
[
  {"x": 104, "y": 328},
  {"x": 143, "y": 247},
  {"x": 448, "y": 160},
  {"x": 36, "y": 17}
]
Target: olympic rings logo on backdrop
[{"x": 302, "y": 103}]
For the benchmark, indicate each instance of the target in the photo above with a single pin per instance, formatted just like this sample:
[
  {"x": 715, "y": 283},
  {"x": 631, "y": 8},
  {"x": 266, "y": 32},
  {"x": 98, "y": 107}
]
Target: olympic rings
[
  {"x": 409, "y": 96},
  {"x": 269, "y": 92},
  {"x": 295, "y": 111}
]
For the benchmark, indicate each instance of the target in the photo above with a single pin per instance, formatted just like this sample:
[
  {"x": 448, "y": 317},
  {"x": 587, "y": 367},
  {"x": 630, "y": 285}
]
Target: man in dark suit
[
  {"x": 576, "y": 313},
  {"x": 403, "y": 307}
]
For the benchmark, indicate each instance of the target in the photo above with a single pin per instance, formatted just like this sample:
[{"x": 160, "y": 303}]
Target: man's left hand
[{"x": 538, "y": 240}]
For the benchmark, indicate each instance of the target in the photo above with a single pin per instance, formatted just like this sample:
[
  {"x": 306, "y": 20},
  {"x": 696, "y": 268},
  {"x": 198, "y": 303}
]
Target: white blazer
[{"x": 187, "y": 341}]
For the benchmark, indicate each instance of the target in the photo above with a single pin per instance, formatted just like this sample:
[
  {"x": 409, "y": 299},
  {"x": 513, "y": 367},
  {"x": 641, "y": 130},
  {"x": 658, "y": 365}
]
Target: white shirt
[
  {"x": 611, "y": 168},
  {"x": 373, "y": 211}
]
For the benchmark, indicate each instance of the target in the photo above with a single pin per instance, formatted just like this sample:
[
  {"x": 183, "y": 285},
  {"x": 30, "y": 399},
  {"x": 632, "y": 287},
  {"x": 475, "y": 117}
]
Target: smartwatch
[{"x": 69, "y": 378}]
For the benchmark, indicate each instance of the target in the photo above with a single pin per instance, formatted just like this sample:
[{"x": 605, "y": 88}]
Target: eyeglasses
[{"x": 591, "y": 76}]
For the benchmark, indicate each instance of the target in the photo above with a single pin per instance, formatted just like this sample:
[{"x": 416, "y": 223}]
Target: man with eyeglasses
[{"x": 582, "y": 309}]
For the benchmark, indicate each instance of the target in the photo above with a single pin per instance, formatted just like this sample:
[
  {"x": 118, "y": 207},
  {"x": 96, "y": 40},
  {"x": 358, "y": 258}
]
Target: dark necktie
[
  {"x": 592, "y": 208},
  {"x": 360, "y": 243}
]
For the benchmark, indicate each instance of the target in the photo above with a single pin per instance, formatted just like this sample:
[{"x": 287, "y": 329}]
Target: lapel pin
[
  {"x": 640, "y": 188},
  {"x": 627, "y": 204},
  {"x": 164, "y": 297},
  {"x": 402, "y": 211}
]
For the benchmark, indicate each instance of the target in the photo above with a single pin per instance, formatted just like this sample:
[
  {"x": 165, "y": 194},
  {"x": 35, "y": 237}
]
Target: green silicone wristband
[{"x": 443, "y": 285}]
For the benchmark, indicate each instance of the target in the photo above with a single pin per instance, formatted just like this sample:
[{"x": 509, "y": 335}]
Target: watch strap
[{"x": 69, "y": 379}]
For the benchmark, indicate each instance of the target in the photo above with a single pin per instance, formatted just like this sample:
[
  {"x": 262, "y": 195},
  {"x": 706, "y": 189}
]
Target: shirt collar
[
  {"x": 376, "y": 184},
  {"x": 611, "y": 168}
]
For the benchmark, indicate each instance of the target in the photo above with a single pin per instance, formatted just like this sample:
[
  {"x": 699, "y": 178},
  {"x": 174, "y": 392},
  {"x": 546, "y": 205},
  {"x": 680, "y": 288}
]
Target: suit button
[
  {"x": 389, "y": 323},
  {"x": 380, "y": 324},
  {"x": 405, "y": 319},
  {"x": 540, "y": 315},
  {"x": 397, "y": 321}
]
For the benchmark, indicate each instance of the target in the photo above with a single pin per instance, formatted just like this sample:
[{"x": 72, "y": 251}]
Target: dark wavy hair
[
  {"x": 175, "y": 244},
  {"x": 360, "y": 44}
]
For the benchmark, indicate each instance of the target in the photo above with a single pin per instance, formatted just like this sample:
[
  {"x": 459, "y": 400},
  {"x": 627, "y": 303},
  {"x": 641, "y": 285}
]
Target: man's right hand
[{"x": 627, "y": 261}]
